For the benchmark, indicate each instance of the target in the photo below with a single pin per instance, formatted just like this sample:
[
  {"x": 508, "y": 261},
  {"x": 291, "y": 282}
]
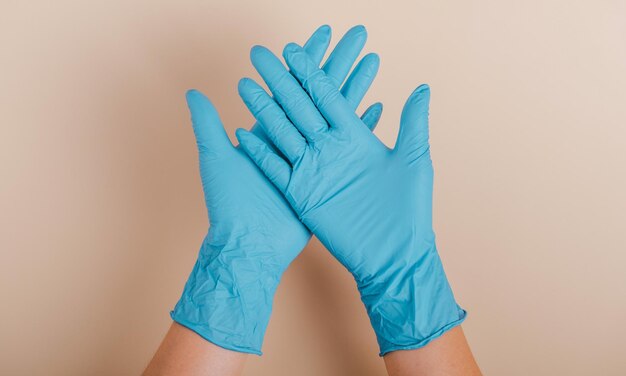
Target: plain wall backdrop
[{"x": 101, "y": 207}]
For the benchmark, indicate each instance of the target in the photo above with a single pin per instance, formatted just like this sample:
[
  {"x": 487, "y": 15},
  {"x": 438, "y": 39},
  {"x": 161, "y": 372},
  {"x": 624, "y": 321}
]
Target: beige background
[{"x": 101, "y": 204}]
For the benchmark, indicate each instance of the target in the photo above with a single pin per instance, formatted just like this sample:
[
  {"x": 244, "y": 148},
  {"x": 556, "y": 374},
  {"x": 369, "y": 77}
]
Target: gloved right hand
[{"x": 371, "y": 206}]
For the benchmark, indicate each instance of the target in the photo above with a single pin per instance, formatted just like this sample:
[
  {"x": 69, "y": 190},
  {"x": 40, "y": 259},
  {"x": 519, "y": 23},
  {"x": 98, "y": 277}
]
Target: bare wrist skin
[
  {"x": 185, "y": 353},
  {"x": 447, "y": 355}
]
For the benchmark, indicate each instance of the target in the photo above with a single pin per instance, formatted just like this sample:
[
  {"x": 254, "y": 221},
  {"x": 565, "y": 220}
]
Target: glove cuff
[
  {"x": 228, "y": 297},
  {"x": 410, "y": 307}
]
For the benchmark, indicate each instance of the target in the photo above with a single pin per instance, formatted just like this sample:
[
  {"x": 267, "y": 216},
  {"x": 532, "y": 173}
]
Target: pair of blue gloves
[{"x": 311, "y": 165}]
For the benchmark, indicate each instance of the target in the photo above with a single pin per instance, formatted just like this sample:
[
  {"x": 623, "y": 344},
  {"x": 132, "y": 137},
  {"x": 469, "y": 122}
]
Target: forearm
[
  {"x": 447, "y": 355},
  {"x": 185, "y": 353}
]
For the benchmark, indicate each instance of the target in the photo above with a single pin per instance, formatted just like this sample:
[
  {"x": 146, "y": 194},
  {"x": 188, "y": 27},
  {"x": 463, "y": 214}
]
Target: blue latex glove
[
  {"x": 369, "y": 205},
  {"x": 253, "y": 234}
]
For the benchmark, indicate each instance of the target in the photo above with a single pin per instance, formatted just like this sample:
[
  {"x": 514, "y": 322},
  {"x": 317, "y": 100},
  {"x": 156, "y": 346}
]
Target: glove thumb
[
  {"x": 413, "y": 137},
  {"x": 207, "y": 126}
]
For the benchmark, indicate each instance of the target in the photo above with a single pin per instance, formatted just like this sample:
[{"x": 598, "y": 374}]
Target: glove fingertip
[{"x": 241, "y": 134}]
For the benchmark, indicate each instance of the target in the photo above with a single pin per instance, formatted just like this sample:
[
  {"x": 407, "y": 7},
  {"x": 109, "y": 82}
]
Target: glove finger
[
  {"x": 207, "y": 126},
  {"x": 317, "y": 44},
  {"x": 360, "y": 80},
  {"x": 273, "y": 166},
  {"x": 371, "y": 116},
  {"x": 344, "y": 54},
  {"x": 273, "y": 120},
  {"x": 316, "y": 47},
  {"x": 288, "y": 93},
  {"x": 322, "y": 90},
  {"x": 413, "y": 135}
]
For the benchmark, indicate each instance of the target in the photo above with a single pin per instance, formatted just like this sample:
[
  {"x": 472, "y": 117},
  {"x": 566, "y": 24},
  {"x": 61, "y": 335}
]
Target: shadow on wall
[{"x": 319, "y": 325}]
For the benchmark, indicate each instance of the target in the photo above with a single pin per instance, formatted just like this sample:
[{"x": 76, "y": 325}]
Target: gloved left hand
[{"x": 253, "y": 234}]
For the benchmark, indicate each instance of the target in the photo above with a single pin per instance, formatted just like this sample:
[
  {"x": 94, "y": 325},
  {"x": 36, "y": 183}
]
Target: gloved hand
[
  {"x": 369, "y": 205},
  {"x": 253, "y": 234}
]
